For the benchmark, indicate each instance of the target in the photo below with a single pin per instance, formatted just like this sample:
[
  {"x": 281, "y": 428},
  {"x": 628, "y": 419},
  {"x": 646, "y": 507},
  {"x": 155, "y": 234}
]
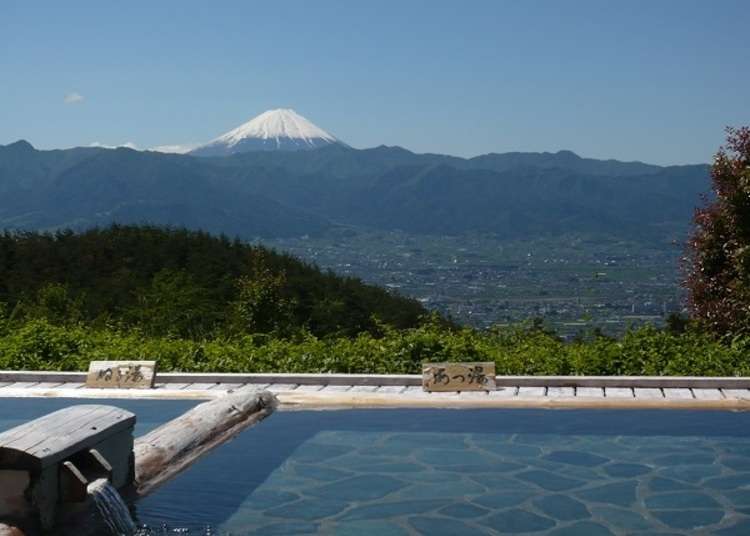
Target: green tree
[
  {"x": 261, "y": 306},
  {"x": 167, "y": 271},
  {"x": 4, "y": 318},
  {"x": 174, "y": 305},
  {"x": 55, "y": 303},
  {"x": 718, "y": 270}
]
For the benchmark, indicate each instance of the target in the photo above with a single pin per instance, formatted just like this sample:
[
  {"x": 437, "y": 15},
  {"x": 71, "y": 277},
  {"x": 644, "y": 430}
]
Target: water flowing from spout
[{"x": 111, "y": 507}]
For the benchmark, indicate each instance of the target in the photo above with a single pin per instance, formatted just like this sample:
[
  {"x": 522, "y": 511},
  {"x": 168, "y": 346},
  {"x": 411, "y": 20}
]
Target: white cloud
[
  {"x": 73, "y": 98},
  {"x": 127, "y": 145},
  {"x": 177, "y": 149}
]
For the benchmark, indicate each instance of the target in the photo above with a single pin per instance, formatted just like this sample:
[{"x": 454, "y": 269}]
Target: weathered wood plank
[
  {"x": 590, "y": 392},
  {"x": 361, "y": 388},
  {"x": 561, "y": 392},
  {"x": 41, "y": 429},
  {"x": 59, "y": 434},
  {"x": 199, "y": 386},
  {"x": 503, "y": 392},
  {"x": 47, "y": 425},
  {"x": 226, "y": 386},
  {"x": 436, "y": 394},
  {"x": 736, "y": 393},
  {"x": 335, "y": 388},
  {"x": 47, "y": 385},
  {"x": 276, "y": 387},
  {"x": 171, "y": 386},
  {"x": 648, "y": 392},
  {"x": 68, "y": 441},
  {"x": 414, "y": 390},
  {"x": 309, "y": 388},
  {"x": 257, "y": 386},
  {"x": 707, "y": 394},
  {"x": 529, "y": 392},
  {"x": 390, "y": 388},
  {"x": 466, "y": 395},
  {"x": 678, "y": 393},
  {"x": 619, "y": 392}
]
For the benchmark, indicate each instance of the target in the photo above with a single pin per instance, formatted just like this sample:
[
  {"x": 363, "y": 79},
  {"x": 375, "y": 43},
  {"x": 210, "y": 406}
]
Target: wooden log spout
[
  {"x": 8, "y": 530},
  {"x": 170, "y": 448}
]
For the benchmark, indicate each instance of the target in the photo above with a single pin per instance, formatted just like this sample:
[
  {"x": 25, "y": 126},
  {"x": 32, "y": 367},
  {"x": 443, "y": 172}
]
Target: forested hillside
[
  {"x": 185, "y": 283},
  {"x": 194, "y": 302}
]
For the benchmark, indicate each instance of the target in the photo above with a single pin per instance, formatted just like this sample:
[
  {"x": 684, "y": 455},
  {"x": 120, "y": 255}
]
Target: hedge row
[{"x": 40, "y": 345}]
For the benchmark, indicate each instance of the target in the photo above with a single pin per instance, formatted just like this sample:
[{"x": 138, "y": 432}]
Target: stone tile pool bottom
[{"x": 455, "y": 472}]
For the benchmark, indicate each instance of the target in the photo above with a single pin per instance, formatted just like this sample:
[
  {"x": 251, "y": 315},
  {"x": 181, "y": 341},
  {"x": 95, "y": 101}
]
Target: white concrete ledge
[{"x": 300, "y": 391}]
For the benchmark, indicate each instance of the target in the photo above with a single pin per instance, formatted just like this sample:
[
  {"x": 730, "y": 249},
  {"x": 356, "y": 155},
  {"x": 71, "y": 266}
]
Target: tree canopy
[
  {"x": 718, "y": 265},
  {"x": 167, "y": 281}
]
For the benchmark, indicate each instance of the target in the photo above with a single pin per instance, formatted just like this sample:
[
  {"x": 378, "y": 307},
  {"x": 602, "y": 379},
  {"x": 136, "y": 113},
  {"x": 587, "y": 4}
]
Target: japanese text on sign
[
  {"x": 458, "y": 376},
  {"x": 121, "y": 374}
]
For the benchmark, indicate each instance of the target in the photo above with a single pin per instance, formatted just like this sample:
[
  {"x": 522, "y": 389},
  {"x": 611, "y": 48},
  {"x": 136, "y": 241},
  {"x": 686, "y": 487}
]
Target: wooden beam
[
  {"x": 172, "y": 447},
  {"x": 47, "y": 440},
  {"x": 7, "y": 530}
]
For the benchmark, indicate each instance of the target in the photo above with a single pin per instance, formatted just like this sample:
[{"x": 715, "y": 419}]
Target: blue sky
[{"x": 654, "y": 80}]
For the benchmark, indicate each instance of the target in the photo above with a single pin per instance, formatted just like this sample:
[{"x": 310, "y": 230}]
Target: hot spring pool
[{"x": 455, "y": 472}]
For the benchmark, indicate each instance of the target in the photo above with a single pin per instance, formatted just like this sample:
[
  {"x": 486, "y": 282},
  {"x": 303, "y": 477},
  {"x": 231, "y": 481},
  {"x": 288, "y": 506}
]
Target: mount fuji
[{"x": 275, "y": 130}]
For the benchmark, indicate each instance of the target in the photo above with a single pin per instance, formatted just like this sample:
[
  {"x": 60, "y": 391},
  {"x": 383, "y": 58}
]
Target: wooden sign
[
  {"x": 458, "y": 376},
  {"x": 121, "y": 374}
]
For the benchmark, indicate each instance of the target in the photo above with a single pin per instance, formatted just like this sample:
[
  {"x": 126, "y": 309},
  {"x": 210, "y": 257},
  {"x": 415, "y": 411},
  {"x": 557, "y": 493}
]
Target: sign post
[
  {"x": 121, "y": 374},
  {"x": 458, "y": 376}
]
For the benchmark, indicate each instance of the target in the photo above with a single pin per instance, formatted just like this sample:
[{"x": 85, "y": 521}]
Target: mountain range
[{"x": 280, "y": 175}]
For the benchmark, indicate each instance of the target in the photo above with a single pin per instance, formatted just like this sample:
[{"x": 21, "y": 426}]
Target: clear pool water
[
  {"x": 438, "y": 472},
  {"x": 409, "y": 472}
]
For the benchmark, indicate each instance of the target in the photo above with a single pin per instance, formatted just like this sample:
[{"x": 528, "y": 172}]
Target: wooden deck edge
[
  {"x": 290, "y": 400},
  {"x": 663, "y": 382},
  {"x": 404, "y": 379}
]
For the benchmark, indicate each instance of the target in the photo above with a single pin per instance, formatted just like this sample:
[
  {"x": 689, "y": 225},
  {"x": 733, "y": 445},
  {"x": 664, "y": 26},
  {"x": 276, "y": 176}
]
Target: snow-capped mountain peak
[
  {"x": 275, "y": 124},
  {"x": 281, "y": 129}
]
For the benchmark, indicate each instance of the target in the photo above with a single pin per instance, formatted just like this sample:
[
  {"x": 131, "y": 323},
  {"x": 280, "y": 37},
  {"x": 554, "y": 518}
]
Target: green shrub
[{"x": 525, "y": 349}]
